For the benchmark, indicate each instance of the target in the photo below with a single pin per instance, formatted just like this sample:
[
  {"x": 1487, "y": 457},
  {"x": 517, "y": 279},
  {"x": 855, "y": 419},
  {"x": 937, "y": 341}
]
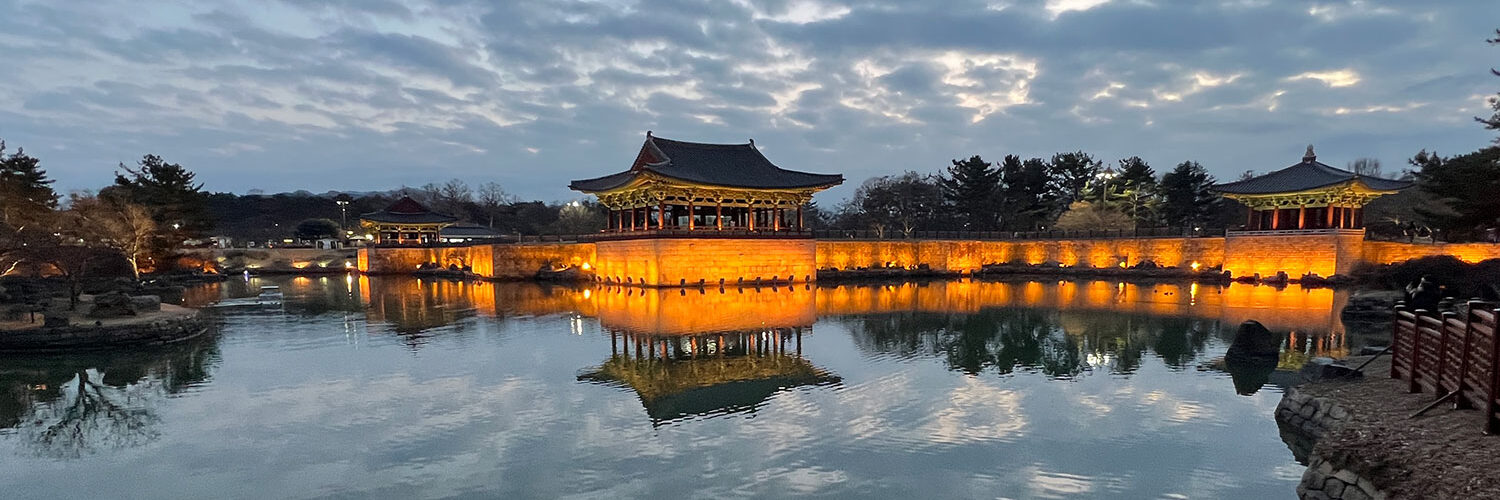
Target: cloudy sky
[{"x": 374, "y": 94}]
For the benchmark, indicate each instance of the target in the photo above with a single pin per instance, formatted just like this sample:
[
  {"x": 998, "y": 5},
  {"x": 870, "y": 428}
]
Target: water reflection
[
  {"x": 68, "y": 406},
  {"x": 391, "y": 387}
]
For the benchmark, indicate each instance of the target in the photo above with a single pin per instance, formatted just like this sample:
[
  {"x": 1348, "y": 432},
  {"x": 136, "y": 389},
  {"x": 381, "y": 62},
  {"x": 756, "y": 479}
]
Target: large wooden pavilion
[
  {"x": 685, "y": 186},
  {"x": 406, "y": 222},
  {"x": 1308, "y": 195}
]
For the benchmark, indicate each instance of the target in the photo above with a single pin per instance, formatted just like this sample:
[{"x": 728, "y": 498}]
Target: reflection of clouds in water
[
  {"x": 977, "y": 412},
  {"x": 1047, "y": 484}
]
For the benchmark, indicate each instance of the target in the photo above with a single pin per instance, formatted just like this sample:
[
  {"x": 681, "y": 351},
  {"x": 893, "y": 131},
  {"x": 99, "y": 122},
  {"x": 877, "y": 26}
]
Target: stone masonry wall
[
  {"x": 1390, "y": 252},
  {"x": 166, "y": 330},
  {"x": 672, "y": 261},
  {"x": 519, "y": 261},
  {"x": 966, "y": 256},
  {"x": 1305, "y": 419},
  {"x": 676, "y": 261}
]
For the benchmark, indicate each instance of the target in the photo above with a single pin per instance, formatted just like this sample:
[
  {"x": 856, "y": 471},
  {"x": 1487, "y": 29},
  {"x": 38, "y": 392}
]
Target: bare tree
[
  {"x": 491, "y": 198},
  {"x": 113, "y": 224},
  {"x": 1366, "y": 166},
  {"x": 93, "y": 416}
]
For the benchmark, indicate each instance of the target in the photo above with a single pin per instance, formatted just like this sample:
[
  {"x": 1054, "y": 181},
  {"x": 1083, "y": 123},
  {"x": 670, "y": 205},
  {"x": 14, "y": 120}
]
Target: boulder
[
  {"x": 1253, "y": 340},
  {"x": 111, "y": 305},
  {"x": 145, "y": 303}
]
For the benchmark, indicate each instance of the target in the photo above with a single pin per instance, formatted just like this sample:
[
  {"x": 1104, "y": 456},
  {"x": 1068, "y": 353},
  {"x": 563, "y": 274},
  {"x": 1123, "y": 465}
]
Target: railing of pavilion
[{"x": 1454, "y": 354}]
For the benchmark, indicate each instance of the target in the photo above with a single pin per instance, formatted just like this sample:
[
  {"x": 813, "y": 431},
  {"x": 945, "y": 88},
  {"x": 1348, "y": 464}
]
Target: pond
[{"x": 406, "y": 388}]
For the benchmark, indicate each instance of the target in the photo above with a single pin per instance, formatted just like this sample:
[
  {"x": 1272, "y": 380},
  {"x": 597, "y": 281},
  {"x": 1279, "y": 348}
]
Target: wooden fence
[{"x": 1451, "y": 354}]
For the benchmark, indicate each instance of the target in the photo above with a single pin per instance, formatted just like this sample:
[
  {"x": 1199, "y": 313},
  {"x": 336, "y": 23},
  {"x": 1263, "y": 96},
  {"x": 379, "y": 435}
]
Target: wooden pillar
[
  {"x": 692, "y": 215},
  {"x": 800, "y": 224},
  {"x": 1302, "y": 217},
  {"x": 1276, "y": 218},
  {"x": 1329, "y": 215},
  {"x": 750, "y": 216},
  {"x": 632, "y": 218},
  {"x": 719, "y": 214},
  {"x": 776, "y": 219}
]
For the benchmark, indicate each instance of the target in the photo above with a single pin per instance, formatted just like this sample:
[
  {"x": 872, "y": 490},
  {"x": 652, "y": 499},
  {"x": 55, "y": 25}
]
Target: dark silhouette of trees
[
  {"x": 314, "y": 229},
  {"x": 26, "y": 194},
  {"x": 1071, "y": 175},
  {"x": 1188, "y": 198},
  {"x": 1025, "y": 194},
  {"x": 970, "y": 188},
  {"x": 1462, "y": 189},
  {"x": 896, "y": 203},
  {"x": 1493, "y": 122}
]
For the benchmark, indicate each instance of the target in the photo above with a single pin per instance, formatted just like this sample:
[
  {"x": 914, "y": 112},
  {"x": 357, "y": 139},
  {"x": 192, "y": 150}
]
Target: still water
[{"x": 400, "y": 388}]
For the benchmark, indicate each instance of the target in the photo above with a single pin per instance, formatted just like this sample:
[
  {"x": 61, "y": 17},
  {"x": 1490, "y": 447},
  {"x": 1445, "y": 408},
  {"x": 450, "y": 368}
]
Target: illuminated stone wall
[
  {"x": 1324, "y": 254},
  {"x": 1390, "y": 252},
  {"x": 672, "y": 311},
  {"x": 674, "y": 261},
  {"x": 519, "y": 261},
  {"x": 967, "y": 255}
]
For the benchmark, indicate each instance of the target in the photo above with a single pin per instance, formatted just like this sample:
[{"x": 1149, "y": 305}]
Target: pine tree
[
  {"x": 1026, "y": 193},
  {"x": 168, "y": 190},
  {"x": 1188, "y": 198},
  {"x": 1138, "y": 189},
  {"x": 1493, "y": 122},
  {"x": 1071, "y": 174},
  {"x": 970, "y": 190},
  {"x": 26, "y": 195}
]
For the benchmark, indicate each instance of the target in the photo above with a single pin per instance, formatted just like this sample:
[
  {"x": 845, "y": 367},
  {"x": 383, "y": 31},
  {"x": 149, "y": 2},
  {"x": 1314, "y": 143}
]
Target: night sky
[{"x": 373, "y": 94}]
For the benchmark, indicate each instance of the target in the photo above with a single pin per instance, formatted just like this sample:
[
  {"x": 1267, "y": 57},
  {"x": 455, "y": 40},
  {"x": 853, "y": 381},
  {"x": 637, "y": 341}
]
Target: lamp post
[
  {"x": 343, "y": 200},
  {"x": 1104, "y": 177}
]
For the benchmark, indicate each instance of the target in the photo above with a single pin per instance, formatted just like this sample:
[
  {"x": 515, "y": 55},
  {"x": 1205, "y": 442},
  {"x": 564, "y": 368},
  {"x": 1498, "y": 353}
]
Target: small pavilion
[
  {"x": 1308, "y": 195},
  {"x": 676, "y": 186},
  {"x": 406, "y": 222}
]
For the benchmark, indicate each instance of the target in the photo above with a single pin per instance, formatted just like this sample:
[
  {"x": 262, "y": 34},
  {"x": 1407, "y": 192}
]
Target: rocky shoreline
[
  {"x": 1358, "y": 441},
  {"x": 171, "y": 325}
]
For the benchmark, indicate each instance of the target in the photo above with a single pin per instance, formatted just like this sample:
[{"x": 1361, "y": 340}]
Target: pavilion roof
[
  {"x": 1308, "y": 175},
  {"x": 728, "y": 165},
  {"x": 407, "y": 211},
  {"x": 686, "y": 387}
]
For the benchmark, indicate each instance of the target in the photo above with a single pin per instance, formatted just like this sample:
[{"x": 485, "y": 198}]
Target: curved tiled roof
[
  {"x": 407, "y": 211},
  {"x": 1308, "y": 175},
  {"x": 729, "y": 165}
]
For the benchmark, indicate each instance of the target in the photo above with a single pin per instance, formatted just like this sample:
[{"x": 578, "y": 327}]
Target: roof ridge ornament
[{"x": 1309, "y": 156}]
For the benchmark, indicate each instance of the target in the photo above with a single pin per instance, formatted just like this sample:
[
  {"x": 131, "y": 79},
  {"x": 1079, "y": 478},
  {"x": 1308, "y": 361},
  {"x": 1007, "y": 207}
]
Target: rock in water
[{"x": 1253, "y": 340}]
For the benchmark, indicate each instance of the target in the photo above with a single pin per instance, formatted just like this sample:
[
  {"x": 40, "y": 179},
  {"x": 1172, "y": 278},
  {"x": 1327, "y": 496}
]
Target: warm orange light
[
  {"x": 586, "y": 267},
  {"x": 1195, "y": 265}
]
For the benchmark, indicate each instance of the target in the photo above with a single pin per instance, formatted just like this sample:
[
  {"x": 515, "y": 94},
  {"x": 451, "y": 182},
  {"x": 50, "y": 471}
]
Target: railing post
[
  {"x": 1415, "y": 361},
  {"x": 1491, "y": 425}
]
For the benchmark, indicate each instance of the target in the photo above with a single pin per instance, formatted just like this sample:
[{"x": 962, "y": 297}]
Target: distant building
[
  {"x": 469, "y": 233},
  {"x": 406, "y": 222},
  {"x": 1308, "y": 195}
]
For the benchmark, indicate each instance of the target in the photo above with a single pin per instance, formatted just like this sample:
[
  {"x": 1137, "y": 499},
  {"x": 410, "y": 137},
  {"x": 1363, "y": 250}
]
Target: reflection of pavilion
[{"x": 690, "y": 354}]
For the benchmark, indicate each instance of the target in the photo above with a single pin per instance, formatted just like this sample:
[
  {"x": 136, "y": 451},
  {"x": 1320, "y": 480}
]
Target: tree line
[
  {"x": 1069, "y": 191},
  {"x": 154, "y": 207}
]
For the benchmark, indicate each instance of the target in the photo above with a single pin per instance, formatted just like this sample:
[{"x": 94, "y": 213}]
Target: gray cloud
[{"x": 365, "y": 95}]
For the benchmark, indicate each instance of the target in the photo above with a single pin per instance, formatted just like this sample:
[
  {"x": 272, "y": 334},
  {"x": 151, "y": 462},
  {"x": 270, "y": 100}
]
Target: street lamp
[
  {"x": 1104, "y": 177},
  {"x": 343, "y": 212}
]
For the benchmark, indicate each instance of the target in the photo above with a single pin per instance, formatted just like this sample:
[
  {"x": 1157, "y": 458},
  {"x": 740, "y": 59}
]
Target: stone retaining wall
[
  {"x": 1325, "y": 481},
  {"x": 166, "y": 330},
  {"x": 1304, "y": 420}
]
